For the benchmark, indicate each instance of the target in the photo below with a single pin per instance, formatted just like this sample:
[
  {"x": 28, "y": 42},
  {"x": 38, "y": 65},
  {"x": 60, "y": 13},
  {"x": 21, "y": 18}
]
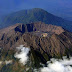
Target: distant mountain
[
  {"x": 35, "y": 15},
  {"x": 68, "y": 18}
]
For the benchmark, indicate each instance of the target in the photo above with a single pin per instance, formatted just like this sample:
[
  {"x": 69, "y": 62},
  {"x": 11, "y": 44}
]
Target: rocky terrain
[
  {"x": 49, "y": 39},
  {"x": 45, "y": 42}
]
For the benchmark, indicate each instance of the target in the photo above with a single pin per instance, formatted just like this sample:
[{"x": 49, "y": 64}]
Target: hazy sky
[{"x": 59, "y": 7}]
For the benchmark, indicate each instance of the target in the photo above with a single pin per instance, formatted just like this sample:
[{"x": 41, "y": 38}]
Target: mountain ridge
[
  {"x": 43, "y": 40},
  {"x": 41, "y": 37}
]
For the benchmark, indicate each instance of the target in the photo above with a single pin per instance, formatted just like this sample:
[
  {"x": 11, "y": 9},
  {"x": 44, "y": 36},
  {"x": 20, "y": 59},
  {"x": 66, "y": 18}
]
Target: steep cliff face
[{"x": 47, "y": 40}]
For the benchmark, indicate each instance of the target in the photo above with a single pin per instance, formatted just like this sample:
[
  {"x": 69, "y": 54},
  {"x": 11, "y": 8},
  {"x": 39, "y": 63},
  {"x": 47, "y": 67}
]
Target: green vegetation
[
  {"x": 35, "y": 58},
  {"x": 35, "y": 15},
  {"x": 16, "y": 66}
]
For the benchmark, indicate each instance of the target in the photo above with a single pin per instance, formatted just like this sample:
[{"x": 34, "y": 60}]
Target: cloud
[
  {"x": 54, "y": 65},
  {"x": 58, "y": 65},
  {"x": 22, "y": 55},
  {"x": 8, "y": 62},
  {"x": 1, "y": 63}
]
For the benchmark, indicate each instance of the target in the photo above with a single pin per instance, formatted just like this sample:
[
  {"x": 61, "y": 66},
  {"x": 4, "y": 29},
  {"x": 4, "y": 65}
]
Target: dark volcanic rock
[{"x": 47, "y": 40}]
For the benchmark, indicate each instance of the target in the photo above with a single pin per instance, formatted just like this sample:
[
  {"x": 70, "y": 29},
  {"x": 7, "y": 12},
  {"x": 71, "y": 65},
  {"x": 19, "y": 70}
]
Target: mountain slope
[
  {"x": 35, "y": 15},
  {"x": 45, "y": 39},
  {"x": 45, "y": 42}
]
